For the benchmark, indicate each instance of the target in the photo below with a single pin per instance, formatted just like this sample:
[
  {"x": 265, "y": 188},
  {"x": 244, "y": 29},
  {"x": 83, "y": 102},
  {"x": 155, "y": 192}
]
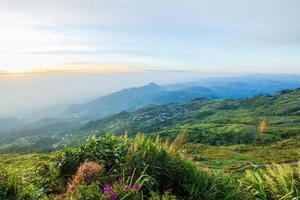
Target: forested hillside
[{"x": 259, "y": 119}]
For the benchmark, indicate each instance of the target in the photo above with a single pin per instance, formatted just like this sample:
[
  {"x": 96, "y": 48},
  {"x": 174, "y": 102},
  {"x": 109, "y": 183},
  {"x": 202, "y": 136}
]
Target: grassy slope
[
  {"x": 230, "y": 158},
  {"x": 237, "y": 158},
  {"x": 213, "y": 121}
]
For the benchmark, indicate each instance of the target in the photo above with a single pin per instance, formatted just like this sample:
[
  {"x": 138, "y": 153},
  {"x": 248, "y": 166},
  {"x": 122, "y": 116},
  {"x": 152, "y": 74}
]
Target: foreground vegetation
[{"x": 116, "y": 167}]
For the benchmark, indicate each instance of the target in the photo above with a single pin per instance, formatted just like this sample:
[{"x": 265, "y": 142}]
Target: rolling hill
[{"x": 264, "y": 118}]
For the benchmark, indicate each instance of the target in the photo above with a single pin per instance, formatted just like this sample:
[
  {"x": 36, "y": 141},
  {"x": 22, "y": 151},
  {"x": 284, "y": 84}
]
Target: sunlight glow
[{"x": 72, "y": 69}]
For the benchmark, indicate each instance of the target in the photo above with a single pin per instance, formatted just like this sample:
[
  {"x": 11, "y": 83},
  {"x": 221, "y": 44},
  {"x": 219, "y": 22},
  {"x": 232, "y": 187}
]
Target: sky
[
  {"x": 72, "y": 51},
  {"x": 212, "y": 36}
]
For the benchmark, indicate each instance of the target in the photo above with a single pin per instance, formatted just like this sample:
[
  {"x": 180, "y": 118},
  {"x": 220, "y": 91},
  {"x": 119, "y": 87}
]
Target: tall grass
[
  {"x": 158, "y": 160},
  {"x": 275, "y": 182},
  {"x": 173, "y": 173},
  {"x": 142, "y": 168},
  {"x": 88, "y": 172}
]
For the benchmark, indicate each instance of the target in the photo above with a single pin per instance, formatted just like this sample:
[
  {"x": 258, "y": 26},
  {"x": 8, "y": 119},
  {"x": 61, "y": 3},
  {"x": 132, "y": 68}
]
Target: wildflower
[
  {"x": 113, "y": 196},
  {"x": 126, "y": 187},
  {"x": 107, "y": 188},
  {"x": 120, "y": 180},
  {"x": 136, "y": 187}
]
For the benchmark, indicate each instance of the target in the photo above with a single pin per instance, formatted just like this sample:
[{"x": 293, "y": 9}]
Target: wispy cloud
[{"x": 173, "y": 34}]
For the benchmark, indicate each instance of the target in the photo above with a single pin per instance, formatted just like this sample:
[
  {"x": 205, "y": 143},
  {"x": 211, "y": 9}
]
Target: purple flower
[
  {"x": 120, "y": 180},
  {"x": 107, "y": 188},
  {"x": 113, "y": 196},
  {"x": 136, "y": 187},
  {"x": 126, "y": 187}
]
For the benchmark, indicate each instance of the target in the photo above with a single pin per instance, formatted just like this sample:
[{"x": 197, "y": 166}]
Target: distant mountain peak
[{"x": 151, "y": 85}]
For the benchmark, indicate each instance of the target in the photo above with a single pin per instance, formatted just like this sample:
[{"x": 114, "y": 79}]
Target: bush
[
  {"x": 175, "y": 174},
  {"x": 85, "y": 192},
  {"x": 109, "y": 149},
  {"x": 87, "y": 173},
  {"x": 150, "y": 166},
  {"x": 153, "y": 158},
  {"x": 126, "y": 188},
  {"x": 191, "y": 182}
]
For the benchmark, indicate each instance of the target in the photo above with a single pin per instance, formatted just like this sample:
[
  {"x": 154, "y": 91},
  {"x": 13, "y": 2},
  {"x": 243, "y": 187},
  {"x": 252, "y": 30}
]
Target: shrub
[
  {"x": 87, "y": 173},
  {"x": 191, "y": 182},
  {"x": 126, "y": 188},
  {"x": 109, "y": 149},
  {"x": 175, "y": 174},
  {"x": 145, "y": 155},
  {"x": 151, "y": 166},
  {"x": 85, "y": 192},
  {"x": 130, "y": 188}
]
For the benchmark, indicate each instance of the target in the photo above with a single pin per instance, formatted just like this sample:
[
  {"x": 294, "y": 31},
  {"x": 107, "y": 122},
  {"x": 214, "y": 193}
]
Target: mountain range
[
  {"x": 153, "y": 94},
  {"x": 220, "y": 107}
]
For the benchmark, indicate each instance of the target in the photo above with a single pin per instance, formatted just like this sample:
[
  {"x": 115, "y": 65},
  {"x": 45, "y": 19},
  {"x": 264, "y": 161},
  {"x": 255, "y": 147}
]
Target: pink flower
[
  {"x": 136, "y": 187},
  {"x": 120, "y": 180},
  {"x": 107, "y": 188},
  {"x": 113, "y": 196}
]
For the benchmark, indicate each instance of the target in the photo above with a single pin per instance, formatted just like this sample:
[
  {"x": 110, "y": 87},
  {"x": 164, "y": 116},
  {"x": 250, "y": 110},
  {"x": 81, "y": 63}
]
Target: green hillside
[{"x": 260, "y": 119}]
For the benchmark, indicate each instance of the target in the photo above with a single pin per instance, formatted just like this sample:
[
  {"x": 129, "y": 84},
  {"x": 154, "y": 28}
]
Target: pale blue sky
[{"x": 221, "y": 36}]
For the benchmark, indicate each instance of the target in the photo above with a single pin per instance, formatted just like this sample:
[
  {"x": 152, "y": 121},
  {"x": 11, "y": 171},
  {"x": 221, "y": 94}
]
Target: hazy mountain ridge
[
  {"x": 135, "y": 98},
  {"x": 155, "y": 100},
  {"x": 152, "y": 94},
  {"x": 229, "y": 121}
]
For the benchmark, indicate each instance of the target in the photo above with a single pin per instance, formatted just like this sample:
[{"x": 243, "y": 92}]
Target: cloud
[
  {"x": 148, "y": 33},
  {"x": 263, "y": 16}
]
